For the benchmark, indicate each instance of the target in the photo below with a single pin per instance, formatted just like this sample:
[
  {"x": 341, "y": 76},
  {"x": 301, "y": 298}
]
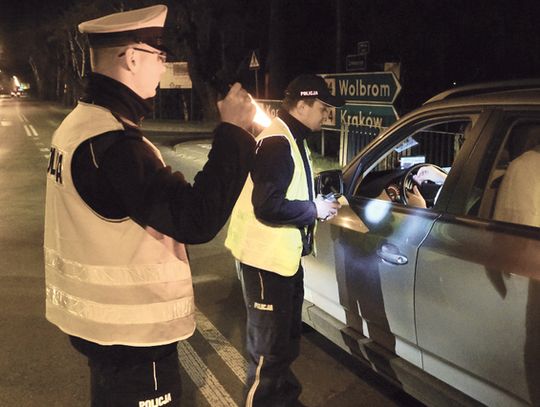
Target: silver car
[{"x": 440, "y": 294}]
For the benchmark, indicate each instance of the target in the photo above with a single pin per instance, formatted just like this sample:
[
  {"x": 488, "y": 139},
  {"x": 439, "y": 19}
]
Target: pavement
[
  {"x": 159, "y": 125},
  {"x": 174, "y": 132},
  {"x": 177, "y": 126}
]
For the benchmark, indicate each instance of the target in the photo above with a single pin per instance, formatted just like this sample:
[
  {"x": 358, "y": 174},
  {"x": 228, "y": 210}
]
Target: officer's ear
[
  {"x": 131, "y": 60},
  {"x": 301, "y": 108}
]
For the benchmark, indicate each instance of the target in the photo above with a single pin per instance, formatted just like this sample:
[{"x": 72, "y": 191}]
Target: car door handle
[{"x": 390, "y": 253}]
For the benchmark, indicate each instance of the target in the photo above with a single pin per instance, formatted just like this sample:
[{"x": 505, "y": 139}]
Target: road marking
[
  {"x": 205, "y": 146},
  {"x": 232, "y": 358},
  {"x": 5, "y": 123},
  {"x": 23, "y": 118},
  {"x": 204, "y": 379},
  {"x": 44, "y": 150},
  {"x": 27, "y": 130},
  {"x": 34, "y": 132}
]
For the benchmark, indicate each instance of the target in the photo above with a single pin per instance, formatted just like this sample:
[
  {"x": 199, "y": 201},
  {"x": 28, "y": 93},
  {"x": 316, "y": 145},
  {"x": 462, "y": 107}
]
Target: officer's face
[
  {"x": 313, "y": 116},
  {"x": 152, "y": 66}
]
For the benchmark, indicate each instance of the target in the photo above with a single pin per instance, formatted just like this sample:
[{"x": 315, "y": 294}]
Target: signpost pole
[
  {"x": 190, "y": 104},
  {"x": 256, "y": 83},
  {"x": 254, "y": 65}
]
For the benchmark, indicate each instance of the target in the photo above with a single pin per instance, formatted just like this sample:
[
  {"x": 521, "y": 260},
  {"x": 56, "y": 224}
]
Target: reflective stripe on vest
[
  {"x": 109, "y": 281},
  {"x": 276, "y": 248}
]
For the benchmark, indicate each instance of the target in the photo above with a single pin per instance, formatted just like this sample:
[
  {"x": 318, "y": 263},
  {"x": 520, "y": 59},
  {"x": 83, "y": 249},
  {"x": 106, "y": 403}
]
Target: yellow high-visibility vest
[{"x": 276, "y": 248}]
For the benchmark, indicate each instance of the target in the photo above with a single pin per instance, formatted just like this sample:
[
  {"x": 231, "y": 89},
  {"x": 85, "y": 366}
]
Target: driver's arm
[{"x": 415, "y": 198}]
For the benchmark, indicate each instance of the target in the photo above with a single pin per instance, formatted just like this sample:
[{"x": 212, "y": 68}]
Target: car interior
[
  {"x": 391, "y": 177},
  {"x": 521, "y": 137}
]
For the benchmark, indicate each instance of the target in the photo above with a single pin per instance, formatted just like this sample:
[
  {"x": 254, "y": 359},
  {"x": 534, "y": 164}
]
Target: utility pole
[{"x": 339, "y": 37}]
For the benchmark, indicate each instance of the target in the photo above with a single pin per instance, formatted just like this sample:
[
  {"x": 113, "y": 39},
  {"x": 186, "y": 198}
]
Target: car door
[
  {"x": 375, "y": 241},
  {"x": 477, "y": 295}
]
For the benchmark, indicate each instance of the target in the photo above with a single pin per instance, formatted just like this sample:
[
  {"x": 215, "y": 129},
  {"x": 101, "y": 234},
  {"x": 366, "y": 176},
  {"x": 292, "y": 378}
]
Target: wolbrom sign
[
  {"x": 369, "y": 97},
  {"x": 368, "y": 108},
  {"x": 368, "y": 87},
  {"x": 176, "y": 76}
]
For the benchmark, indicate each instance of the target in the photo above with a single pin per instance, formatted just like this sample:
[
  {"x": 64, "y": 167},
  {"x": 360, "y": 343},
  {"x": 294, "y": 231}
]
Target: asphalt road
[{"x": 39, "y": 368}]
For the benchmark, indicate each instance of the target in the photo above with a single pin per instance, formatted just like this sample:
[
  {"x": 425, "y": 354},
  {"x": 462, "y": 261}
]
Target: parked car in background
[{"x": 443, "y": 300}]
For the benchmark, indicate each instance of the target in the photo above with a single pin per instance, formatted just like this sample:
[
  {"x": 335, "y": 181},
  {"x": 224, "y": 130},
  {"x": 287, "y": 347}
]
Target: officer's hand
[
  {"x": 326, "y": 209},
  {"x": 237, "y": 108}
]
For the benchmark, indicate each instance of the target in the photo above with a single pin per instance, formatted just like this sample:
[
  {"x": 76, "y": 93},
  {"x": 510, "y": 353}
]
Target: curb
[{"x": 168, "y": 126}]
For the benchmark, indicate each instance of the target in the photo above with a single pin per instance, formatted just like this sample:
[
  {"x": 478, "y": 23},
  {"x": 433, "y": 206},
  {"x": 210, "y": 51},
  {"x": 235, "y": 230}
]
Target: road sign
[
  {"x": 176, "y": 76},
  {"x": 365, "y": 87},
  {"x": 254, "y": 62},
  {"x": 369, "y": 118},
  {"x": 362, "y": 47},
  {"x": 356, "y": 62}
]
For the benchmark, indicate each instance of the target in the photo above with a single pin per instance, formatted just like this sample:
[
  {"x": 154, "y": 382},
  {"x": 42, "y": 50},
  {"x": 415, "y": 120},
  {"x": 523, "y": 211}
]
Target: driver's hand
[
  {"x": 429, "y": 173},
  {"x": 415, "y": 198}
]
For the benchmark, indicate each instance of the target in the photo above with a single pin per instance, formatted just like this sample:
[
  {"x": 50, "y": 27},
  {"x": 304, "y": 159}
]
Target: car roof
[{"x": 517, "y": 92}]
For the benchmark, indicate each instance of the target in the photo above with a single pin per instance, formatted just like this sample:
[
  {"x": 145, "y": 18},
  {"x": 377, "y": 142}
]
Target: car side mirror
[{"x": 329, "y": 182}]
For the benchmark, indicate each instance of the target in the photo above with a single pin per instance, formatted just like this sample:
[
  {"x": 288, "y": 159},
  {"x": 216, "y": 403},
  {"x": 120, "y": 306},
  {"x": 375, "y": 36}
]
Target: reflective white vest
[
  {"x": 108, "y": 281},
  {"x": 276, "y": 248}
]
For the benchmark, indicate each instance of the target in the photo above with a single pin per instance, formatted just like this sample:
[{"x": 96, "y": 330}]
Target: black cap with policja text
[{"x": 312, "y": 86}]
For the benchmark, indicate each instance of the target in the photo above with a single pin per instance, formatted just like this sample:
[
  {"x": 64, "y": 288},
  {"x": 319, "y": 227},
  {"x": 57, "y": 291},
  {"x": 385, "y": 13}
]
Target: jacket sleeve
[
  {"x": 153, "y": 195},
  {"x": 272, "y": 173}
]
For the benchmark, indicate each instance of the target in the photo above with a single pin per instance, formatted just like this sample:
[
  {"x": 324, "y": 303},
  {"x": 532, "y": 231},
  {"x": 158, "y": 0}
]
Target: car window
[
  {"x": 435, "y": 144},
  {"x": 512, "y": 184}
]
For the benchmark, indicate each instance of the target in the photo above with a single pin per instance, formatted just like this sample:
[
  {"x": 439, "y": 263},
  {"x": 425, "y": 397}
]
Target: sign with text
[
  {"x": 176, "y": 76},
  {"x": 369, "y": 87},
  {"x": 362, "y": 47},
  {"x": 355, "y": 63},
  {"x": 369, "y": 118}
]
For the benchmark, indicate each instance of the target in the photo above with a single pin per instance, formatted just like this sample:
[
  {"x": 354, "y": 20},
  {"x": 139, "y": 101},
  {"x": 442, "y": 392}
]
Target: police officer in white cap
[{"x": 117, "y": 275}]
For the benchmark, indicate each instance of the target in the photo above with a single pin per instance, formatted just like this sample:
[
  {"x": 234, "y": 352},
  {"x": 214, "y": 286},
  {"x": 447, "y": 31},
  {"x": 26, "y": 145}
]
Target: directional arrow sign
[
  {"x": 369, "y": 118},
  {"x": 369, "y": 87}
]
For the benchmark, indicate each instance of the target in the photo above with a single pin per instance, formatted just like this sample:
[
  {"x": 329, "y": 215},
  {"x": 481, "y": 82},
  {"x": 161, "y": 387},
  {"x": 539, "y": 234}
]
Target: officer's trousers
[
  {"x": 274, "y": 328},
  {"x": 122, "y": 376}
]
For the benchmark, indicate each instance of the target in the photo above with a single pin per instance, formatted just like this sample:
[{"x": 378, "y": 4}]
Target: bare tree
[{"x": 210, "y": 36}]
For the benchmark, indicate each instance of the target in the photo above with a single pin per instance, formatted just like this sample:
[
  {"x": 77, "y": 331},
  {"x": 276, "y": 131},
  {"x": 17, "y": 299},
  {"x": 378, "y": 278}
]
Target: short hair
[
  {"x": 290, "y": 102},
  {"x": 100, "y": 57}
]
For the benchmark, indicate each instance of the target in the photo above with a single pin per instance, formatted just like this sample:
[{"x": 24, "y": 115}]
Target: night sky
[{"x": 438, "y": 42}]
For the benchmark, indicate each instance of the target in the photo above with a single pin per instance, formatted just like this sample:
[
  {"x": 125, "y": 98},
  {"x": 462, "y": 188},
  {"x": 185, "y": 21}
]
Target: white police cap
[{"x": 144, "y": 25}]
